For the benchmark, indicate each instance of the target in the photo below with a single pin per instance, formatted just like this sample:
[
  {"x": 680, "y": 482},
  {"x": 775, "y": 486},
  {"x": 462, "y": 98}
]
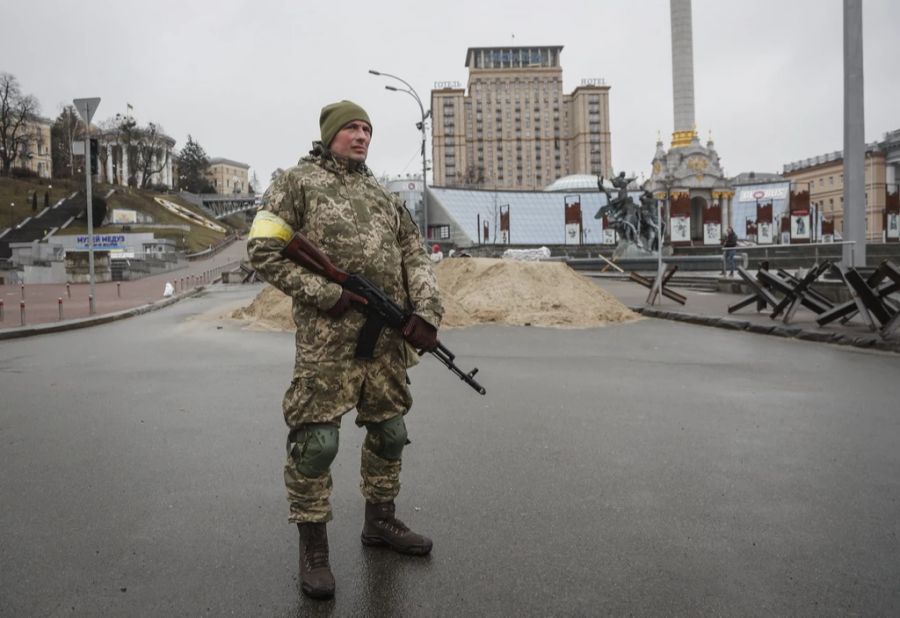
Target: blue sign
[{"x": 102, "y": 241}]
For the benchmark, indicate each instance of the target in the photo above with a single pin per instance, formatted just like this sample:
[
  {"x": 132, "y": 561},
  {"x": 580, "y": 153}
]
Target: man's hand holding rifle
[{"x": 381, "y": 310}]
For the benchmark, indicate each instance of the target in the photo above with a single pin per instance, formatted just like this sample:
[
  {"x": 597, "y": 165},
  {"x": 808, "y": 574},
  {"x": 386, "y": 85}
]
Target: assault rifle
[{"x": 381, "y": 311}]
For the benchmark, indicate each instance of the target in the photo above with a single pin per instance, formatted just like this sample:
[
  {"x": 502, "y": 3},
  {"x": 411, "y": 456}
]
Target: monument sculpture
[{"x": 635, "y": 224}]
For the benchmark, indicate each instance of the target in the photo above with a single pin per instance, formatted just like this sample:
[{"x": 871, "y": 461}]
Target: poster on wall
[
  {"x": 504, "y": 225},
  {"x": 893, "y": 226},
  {"x": 799, "y": 226},
  {"x": 609, "y": 236},
  {"x": 123, "y": 216},
  {"x": 712, "y": 234},
  {"x": 750, "y": 230},
  {"x": 681, "y": 229},
  {"x": 827, "y": 230},
  {"x": 572, "y": 218},
  {"x": 764, "y": 233}
]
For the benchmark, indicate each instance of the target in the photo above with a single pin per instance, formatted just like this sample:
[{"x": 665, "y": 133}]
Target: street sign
[{"x": 86, "y": 108}]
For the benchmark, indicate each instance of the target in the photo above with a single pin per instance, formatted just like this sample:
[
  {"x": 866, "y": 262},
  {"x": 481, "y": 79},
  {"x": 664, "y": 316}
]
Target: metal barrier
[
  {"x": 766, "y": 249},
  {"x": 871, "y": 298}
]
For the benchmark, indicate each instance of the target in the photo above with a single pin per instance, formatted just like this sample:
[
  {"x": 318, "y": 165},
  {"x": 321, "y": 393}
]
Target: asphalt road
[{"x": 653, "y": 468}]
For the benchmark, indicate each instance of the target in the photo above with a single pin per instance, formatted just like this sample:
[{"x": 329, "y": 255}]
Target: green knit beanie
[{"x": 335, "y": 116}]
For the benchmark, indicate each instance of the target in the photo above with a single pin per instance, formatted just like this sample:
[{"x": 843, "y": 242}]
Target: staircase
[{"x": 44, "y": 222}]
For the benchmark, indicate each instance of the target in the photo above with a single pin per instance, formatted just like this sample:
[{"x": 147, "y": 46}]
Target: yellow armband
[{"x": 268, "y": 225}]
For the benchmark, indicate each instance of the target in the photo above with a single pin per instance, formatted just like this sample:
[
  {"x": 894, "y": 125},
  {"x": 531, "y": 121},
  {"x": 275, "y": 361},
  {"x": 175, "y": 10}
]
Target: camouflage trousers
[{"x": 321, "y": 393}]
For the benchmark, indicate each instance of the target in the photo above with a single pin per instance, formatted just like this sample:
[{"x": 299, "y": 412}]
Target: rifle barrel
[{"x": 303, "y": 252}]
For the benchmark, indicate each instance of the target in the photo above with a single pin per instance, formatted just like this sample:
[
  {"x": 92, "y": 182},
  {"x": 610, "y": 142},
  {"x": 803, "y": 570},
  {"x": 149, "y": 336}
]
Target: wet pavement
[{"x": 654, "y": 468}]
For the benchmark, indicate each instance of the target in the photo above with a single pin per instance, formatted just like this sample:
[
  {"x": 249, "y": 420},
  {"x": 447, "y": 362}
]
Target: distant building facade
[
  {"x": 409, "y": 190},
  {"x": 823, "y": 177},
  {"x": 228, "y": 176},
  {"x": 513, "y": 127},
  {"x": 120, "y": 161},
  {"x": 35, "y": 156}
]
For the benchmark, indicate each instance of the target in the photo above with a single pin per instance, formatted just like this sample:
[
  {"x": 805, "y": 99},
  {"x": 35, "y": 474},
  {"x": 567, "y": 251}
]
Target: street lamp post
[
  {"x": 421, "y": 126},
  {"x": 656, "y": 291}
]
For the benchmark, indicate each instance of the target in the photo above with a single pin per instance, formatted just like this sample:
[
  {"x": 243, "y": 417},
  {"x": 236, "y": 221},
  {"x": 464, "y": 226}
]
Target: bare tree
[
  {"x": 152, "y": 153},
  {"x": 67, "y": 128},
  {"x": 17, "y": 129},
  {"x": 148, "y": 148}
]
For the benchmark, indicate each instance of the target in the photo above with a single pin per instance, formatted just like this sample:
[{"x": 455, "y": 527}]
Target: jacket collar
[{"x": 333, "y": 163}]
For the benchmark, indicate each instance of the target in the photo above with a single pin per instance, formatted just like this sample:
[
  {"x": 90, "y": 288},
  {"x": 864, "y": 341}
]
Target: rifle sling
[{"x": 368, "y": 335}]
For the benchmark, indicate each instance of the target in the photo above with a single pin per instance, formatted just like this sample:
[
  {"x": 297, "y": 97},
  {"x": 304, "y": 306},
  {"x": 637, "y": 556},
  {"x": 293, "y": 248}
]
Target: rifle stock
[{"x": 303, "y": 252}]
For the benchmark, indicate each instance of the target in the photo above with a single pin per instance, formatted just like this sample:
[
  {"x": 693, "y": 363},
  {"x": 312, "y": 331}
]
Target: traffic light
[{"x": 94, "y": 149}]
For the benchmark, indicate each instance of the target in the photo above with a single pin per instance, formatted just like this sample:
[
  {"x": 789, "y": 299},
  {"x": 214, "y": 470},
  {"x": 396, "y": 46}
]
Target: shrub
[{"x": 23, "y": 172}]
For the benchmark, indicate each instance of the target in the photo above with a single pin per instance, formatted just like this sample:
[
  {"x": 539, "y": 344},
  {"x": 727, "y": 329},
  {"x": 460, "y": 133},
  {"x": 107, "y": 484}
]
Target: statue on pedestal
[{"x": 635, "y": 224}]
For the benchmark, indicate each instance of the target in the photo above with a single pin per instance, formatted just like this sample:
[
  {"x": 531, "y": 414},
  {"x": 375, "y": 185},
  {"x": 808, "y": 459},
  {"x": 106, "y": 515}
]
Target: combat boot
[
  {"x": 383, "y": 529},
  {"x": 316, "y": 579}
]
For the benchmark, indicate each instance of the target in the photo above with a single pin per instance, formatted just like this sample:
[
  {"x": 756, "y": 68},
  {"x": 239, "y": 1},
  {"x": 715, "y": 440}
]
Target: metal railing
[{"x": 787, "y": 249}]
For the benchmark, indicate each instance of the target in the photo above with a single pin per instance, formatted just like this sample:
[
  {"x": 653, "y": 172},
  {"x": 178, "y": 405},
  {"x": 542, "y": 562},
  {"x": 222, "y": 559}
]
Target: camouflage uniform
[{"x": 340, "y": 207}]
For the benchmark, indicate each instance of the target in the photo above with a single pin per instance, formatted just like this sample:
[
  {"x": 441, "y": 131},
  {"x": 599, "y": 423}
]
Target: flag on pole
[{"x": 130, "y": 108}]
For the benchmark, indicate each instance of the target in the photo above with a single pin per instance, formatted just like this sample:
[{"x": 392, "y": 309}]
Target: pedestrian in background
[
  {"x": 436, "y": 254},
  {"x": 730, "y": 244}
]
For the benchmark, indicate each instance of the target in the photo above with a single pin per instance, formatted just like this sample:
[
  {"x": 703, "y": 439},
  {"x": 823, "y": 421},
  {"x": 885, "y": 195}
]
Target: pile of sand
[
  {"x": 482, "y": 290},
  {"x": 270, "y": 310}
]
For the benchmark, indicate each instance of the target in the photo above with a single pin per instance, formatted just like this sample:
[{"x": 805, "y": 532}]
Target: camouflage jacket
[{"x": 363, "y": 228}]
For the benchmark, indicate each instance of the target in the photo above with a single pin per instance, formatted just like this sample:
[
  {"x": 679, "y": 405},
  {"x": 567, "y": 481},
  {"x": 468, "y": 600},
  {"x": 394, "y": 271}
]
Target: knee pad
[
  {"x": 387, "y": 439},
  {"x": 313, "y": 448}
]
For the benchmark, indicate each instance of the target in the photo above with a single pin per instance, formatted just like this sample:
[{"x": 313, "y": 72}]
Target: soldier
[{"x": 335, "y": 201}]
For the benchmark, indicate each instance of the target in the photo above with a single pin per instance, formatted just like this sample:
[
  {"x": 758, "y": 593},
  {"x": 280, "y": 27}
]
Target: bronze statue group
[{"x": 633, "y": 222}]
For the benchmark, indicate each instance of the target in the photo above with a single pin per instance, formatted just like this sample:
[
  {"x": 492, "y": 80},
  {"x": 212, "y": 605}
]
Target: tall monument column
[{"x": 682, "y": 73}]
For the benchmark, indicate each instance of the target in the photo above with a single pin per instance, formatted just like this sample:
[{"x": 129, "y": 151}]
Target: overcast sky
[{"x": 247, "y": 79}]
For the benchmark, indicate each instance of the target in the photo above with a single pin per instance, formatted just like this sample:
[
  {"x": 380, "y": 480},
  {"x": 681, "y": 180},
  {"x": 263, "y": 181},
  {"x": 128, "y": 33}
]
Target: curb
[
  {"x": 56, "y": 327},
  {"x": 778, "y": 330}
]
